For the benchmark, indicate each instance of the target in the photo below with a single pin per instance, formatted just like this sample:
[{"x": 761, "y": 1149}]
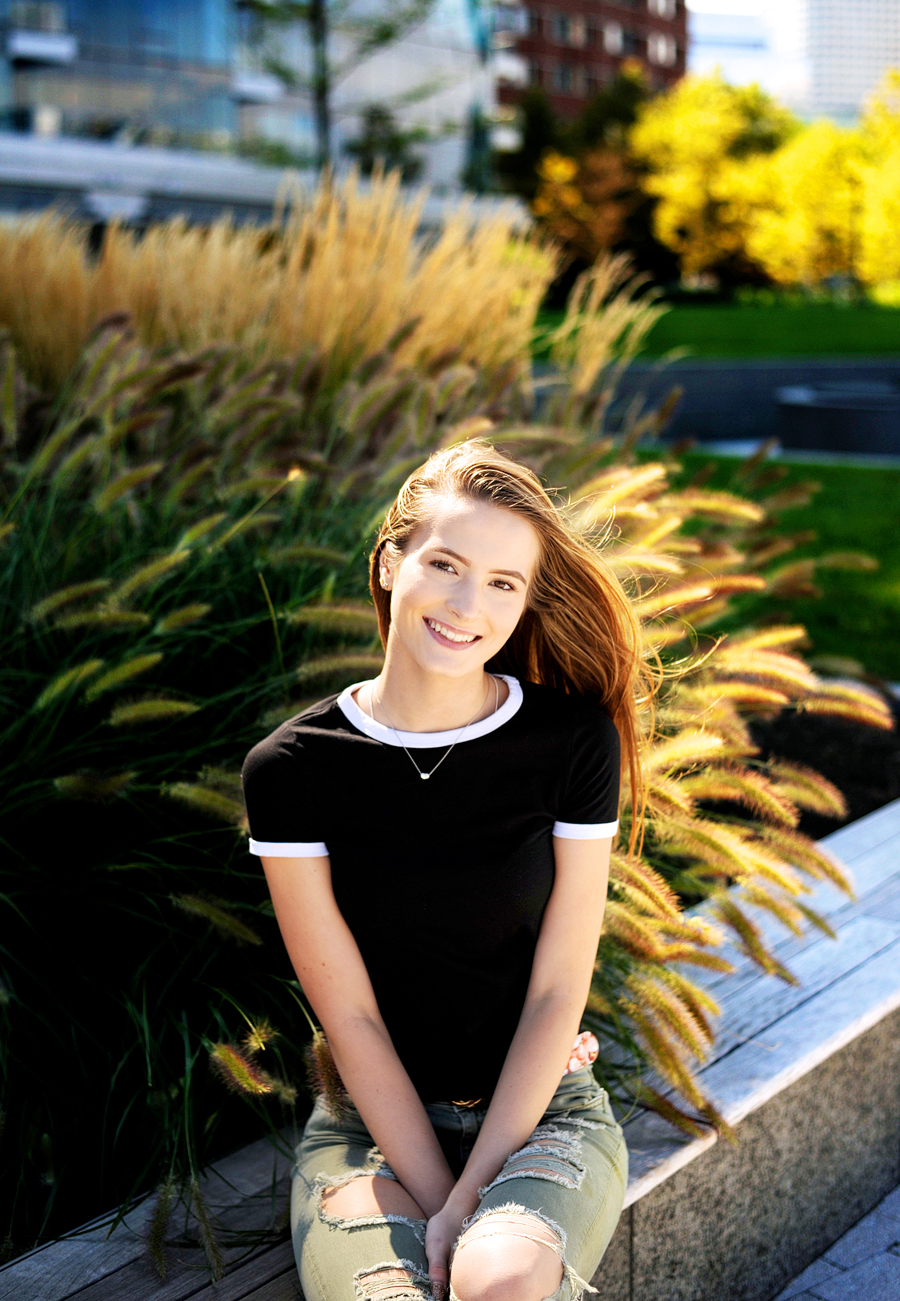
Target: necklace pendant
[{"x": 424, "y": 776}]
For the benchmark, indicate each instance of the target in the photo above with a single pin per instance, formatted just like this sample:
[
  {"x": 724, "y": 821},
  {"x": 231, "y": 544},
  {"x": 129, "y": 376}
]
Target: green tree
[
  {"x": 541, "y": 131},
  {"x": 361, "y": 35},
  {"x": 382, "y": 143}
]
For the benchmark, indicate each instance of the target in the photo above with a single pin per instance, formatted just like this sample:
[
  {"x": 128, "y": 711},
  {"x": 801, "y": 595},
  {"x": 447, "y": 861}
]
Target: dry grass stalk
[{"x": 347, "y": 273}]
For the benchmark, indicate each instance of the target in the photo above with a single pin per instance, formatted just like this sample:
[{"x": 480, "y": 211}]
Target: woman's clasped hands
[{"x": 441, "y": 1233}]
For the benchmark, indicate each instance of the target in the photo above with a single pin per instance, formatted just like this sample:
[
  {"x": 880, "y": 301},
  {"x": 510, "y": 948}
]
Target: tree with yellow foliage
[
  {"x": 879, "y": 172},
  {"x": 583, "y": 203},
  {"x": 806, "y": 206},
  {"x": 695, "y": 142}
]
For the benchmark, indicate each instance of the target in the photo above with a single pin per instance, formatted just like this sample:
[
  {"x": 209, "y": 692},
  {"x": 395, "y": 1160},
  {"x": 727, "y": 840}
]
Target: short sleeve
[
  {"x": 589, "y": 809},
  {"x": 281, "y": 807}
]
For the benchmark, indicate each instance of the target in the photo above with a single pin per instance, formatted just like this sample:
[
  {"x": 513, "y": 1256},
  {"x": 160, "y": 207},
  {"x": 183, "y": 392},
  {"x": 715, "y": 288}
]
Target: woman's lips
[{"x": 447, "y": 641}]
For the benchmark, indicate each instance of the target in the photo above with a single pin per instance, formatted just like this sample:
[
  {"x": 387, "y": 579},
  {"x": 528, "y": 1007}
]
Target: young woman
[{"x": 436, "y": 842}]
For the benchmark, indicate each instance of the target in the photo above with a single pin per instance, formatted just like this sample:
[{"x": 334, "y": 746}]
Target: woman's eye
[
  {"x": 503, "y": 585},
  {"x": 445, "y": 565}
]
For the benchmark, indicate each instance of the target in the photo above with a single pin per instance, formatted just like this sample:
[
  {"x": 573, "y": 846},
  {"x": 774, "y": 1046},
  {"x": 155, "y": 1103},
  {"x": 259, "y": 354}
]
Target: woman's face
[{"x": 460, "y": 586}]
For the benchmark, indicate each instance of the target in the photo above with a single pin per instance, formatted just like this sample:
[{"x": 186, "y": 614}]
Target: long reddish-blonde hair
[{"x": 578, "y": 631}]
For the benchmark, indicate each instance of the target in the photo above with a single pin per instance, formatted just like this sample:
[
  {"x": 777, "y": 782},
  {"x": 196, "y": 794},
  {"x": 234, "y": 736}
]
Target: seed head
[{"x": 238, "y": 1072}]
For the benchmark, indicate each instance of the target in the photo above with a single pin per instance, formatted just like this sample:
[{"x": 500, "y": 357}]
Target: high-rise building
[
  {"x": 94, "y": 67},
  {"x": 822, "y": 58},
  {"x": 205, "y": 73},
  {"x": 831, "y": 54},
  {"x": 572, "y": 48}
]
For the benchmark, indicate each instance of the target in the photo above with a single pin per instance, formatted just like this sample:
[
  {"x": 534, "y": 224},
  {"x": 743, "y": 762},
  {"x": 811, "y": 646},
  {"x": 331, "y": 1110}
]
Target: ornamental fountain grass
[{"x": 182, "y": 553}]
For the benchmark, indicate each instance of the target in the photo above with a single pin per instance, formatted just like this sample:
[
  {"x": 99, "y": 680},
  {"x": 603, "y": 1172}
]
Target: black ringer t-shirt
[{"x": 443, "y": 882}]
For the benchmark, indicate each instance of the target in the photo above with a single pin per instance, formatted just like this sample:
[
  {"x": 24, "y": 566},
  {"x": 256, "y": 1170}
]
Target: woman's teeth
[{"x": 449, "y": 633}]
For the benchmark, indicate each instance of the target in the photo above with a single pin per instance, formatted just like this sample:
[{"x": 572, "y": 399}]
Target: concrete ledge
[{"x": 810, "y": 1078}]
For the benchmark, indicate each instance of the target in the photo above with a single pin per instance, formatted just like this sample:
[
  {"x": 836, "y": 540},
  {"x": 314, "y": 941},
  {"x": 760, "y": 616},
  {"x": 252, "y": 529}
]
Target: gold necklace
[{"x": 373, "y": 699}]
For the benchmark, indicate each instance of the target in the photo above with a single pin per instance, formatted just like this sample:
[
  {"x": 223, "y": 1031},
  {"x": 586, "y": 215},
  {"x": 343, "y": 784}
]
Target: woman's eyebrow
[{"x": 507, "y": 573}]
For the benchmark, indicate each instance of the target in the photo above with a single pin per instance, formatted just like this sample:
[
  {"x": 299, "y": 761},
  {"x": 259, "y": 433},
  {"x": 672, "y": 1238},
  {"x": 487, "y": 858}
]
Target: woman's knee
[
  {"x": 513, "y": 1257},
  {"x": 369, "y": 1196}
]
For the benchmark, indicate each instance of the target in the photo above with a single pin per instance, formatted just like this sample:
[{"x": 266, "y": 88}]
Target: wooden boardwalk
[{"x": 771, "y": 1038}]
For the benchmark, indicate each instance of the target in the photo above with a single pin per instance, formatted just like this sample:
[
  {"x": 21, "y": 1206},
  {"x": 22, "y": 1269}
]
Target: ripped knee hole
[
  {"x": 512, "y": 1224},
  {"x": 397, "y": 1281},
  {"x": 368, "y": 1196}
]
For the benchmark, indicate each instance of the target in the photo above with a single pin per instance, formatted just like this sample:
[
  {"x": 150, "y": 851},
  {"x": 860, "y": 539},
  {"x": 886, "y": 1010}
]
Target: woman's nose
[{"x": 463, "y": 603}]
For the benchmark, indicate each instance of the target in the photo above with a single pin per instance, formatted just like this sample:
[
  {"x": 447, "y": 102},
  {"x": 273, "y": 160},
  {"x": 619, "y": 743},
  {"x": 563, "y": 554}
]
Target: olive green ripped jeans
[{"x": 571, "y": 1174}]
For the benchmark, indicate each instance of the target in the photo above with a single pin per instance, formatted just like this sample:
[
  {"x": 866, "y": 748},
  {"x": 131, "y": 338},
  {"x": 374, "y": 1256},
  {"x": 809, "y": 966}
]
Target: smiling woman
[{"x": 445, "y": 929}]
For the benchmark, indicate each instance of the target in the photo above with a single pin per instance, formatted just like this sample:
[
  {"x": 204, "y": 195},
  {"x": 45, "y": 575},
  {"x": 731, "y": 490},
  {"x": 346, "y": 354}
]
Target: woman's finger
[{"x": 437, "y": 1273}]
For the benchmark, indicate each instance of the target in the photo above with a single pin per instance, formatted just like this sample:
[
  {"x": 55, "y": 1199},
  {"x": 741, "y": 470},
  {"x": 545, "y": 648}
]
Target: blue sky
[{"x": 725, "y": 6}]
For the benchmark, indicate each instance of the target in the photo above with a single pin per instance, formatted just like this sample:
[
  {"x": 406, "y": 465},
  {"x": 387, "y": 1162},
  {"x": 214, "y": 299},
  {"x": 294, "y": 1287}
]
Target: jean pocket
[{"x": 579, "y": 1092}]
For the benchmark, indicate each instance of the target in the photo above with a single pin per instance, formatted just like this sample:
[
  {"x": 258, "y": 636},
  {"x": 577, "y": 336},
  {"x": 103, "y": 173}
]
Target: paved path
[
  {"x": 736, "y": 398},
  {"x": 863, "y": 1265}
]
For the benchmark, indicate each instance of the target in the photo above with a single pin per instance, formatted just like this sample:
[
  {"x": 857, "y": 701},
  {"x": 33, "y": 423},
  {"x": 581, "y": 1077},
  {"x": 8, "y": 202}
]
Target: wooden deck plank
[
  {"x": 855, "y": 839},
  {"x": 244, "y": 1280},
  {"x": 80, "y": 1260},
  {"x": 876, "y": 871},
  {"x": 285, "y": 1288},
  {"x": 59, "y": 1268},
  {"x": 187, "y": 1271},
  {"x": 757, "y": 1003},
  {"x": 867, "y": 873},
  {"x": 745, "y": 1079},
  {"x": 761, "y": 1002},
  {"x": 190, "y": 1278}
]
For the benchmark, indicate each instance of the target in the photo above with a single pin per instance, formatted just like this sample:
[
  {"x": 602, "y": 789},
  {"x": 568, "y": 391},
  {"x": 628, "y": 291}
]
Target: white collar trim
[{"x": 429, "y": 740}]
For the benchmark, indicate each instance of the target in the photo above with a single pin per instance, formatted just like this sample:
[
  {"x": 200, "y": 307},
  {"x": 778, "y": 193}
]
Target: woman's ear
[{"x": 385, "y": 576}]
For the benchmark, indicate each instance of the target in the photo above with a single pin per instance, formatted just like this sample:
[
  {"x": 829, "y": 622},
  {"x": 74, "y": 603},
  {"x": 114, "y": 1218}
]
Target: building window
[
  {"x": 559, "y": 29},
  {"x": 535, "y": 23},
  {"x": 563, "y": 78},
  {"x": 662, "y": 8},
  {"x": 40, "y": 17},
  {"x": 632, "y": 43},
  {"x": 577, "y": 32},
  {"x": 661, "y": 48},
  {"x": 535, "y": 73},
  {"x": 613, "y": 38}
]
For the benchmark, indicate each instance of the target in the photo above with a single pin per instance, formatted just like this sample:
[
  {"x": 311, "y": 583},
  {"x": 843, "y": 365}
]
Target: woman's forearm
[
  {"x": 392, "y": 1111},
  {"x": 530, "y": 1076}
]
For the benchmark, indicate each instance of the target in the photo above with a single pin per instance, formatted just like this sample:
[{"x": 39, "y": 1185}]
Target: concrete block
[
  {"x": 739, "y": 1222},
  {"x": 875, "y": 1279}
]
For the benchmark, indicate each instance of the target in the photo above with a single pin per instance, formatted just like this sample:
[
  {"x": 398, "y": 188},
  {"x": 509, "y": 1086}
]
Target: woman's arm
[
  {"x": 333, "y": 975},
  {"x": 557, "y": 993}
]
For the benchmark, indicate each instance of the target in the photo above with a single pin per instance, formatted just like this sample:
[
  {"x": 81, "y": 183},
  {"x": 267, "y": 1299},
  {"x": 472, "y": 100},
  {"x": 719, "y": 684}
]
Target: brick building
[{"x": 572, "y": 48}]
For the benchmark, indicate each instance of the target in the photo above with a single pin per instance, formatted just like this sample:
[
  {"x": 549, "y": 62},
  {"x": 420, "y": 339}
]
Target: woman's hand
[{"x": 441, "y": 1233}]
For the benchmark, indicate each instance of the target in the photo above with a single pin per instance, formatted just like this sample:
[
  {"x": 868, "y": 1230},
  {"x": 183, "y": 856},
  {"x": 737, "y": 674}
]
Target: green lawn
[
  {"x": 783, "y": 329},
  {"x": 780, "y": 330},
  {"x": 857, "y": 509}
]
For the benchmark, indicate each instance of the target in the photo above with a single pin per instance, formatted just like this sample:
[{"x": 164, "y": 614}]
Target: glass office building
[{"x": 101, "y": 68}]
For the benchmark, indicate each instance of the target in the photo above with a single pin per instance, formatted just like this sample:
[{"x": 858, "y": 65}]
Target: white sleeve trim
[
  {"x": 585, "y": 830},
  {"x": 289, "y": 849}
]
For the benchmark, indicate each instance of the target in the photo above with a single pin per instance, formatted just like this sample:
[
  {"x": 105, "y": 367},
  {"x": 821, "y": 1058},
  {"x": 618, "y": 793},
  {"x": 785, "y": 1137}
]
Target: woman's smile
[{"x": 447, "y": 635}]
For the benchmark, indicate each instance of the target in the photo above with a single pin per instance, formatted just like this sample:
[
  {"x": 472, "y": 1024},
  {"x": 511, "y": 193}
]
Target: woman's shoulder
[
  {"x": 293, "y": 740},
  {"x": 563, "y": 709}
]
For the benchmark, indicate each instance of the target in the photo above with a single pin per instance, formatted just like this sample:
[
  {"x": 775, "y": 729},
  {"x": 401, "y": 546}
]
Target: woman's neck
[{"x": 412, "y": 700}]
